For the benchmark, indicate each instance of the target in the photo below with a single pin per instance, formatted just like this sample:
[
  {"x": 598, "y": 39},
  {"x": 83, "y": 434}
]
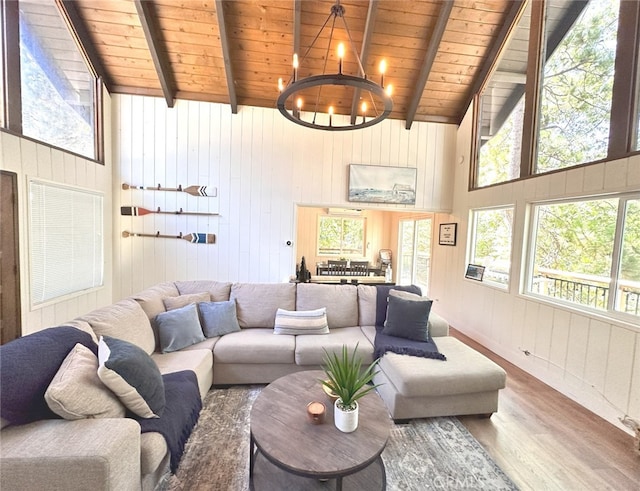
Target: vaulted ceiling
[{"x": 233, "y": 51}]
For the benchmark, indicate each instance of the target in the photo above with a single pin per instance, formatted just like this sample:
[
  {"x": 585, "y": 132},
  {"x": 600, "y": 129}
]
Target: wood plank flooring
[{"x": 545, "y": 441}]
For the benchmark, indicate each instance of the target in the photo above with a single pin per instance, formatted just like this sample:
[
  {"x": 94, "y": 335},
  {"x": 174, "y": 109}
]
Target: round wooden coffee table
[{"x": 288, "y": 451}]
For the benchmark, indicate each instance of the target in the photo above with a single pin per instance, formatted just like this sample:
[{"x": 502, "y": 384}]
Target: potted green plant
[{"x": 349, "y": 381}]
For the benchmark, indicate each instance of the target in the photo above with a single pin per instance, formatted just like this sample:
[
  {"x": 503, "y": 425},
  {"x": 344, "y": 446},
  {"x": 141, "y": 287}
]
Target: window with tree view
[
  {"x": 491, "y": 236},
  {"x": 341, "y": 236},
  {"x": 575, "y": 100},
  {"x": 502, "y": 111},
  {"x": 57, "y": 89},
  {"x": 587, "y": 253}
]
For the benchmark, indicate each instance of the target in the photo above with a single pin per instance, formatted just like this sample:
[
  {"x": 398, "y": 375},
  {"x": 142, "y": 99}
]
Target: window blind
[{"x": 66, "y": 240}]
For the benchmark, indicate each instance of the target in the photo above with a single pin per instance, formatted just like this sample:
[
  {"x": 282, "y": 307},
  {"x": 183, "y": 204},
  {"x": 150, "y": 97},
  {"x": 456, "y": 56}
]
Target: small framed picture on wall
[
  {"x": 447, "y": 234},
  {"x": 474, "y": 272}
]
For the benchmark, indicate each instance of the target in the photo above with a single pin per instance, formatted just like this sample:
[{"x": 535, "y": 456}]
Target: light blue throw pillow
[
  {"x": 179, "y": 328},
  {"x": 219, "y": 318}
]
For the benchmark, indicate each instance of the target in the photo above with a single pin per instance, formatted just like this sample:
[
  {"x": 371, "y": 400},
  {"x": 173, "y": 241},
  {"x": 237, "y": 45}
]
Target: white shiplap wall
[
  {"x": 29, "y": 159},
  {"x": 263, "y": 166},
  {"x": 593, "y": 359}
]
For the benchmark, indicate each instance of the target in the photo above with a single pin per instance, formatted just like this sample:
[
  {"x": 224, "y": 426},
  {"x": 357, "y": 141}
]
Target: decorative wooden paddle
[
  {"x": 138, "y": 211},
  {"x": 192, "y": 190},
  {"x": 194, "y": 238}
]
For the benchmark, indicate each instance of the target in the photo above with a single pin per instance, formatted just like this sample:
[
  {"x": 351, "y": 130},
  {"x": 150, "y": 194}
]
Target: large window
[
  {"x": 341, "y": 236},
  {"x": 560, "y": 94},
  {"x": 491, "y": 237},
  {"x": 575, "y": 101},
  {"x": 53, "y": 93},
  {"x": 501, "y": 111},
  {"x": 414, "y": 263},
  {"x": 586, "y": 253}
]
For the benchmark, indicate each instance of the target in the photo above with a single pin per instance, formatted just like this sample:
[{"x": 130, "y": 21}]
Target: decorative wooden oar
[
  {"x": 194, "y": 238},
  {"x": 138, "y": 211},
  {"x": 192, "y": 190}
]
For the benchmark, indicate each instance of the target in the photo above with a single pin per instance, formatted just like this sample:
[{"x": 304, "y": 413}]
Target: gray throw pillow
[
  {"x": 219, "y": 318},
  {"x": 179, "y": 328},
  {"x": 407, "y": 316},
  {"x": 132, "y": 375}
]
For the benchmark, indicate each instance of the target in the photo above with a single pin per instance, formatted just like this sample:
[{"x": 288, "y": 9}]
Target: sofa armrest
[
  {"x": 96, "y": 454},
  {"x": 437, "y": 325}
]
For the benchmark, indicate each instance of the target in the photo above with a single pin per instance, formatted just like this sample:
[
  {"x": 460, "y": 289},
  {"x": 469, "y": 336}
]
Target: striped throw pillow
[{"x": 301, "y": 322}]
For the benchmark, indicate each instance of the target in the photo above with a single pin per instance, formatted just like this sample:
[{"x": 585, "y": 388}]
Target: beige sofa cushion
[
  {"x": 151, "y": 299},
  {"x": 367, "y": 298},
  {"x": 123, "y": 320},
  {"x": 341, "y": 302},
  {"x": 198, "y": 360},
  {"x": 309, "y": 349},
  {"x": 257, "y": 303},
  {"x": 219, "y": 290},
  {"x": 76, "y": 391},
  {"x": 83, "y": 326},
  {"x": 173, "y": 303},
  {"x": 255, "y": 346},
  {"x": 464, "y": 371}
]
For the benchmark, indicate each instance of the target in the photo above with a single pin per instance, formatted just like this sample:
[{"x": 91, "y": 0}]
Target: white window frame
[
  {"x": 472, "y": 245},
  {"x": 526, "y": 282}
]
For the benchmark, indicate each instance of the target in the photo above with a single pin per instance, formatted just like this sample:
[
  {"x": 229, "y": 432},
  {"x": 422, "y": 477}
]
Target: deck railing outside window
[{"x": 591, "y": 291}]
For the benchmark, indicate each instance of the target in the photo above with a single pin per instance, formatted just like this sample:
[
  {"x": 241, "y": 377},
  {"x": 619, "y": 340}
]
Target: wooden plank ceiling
[{"x": 233, "y": 51}]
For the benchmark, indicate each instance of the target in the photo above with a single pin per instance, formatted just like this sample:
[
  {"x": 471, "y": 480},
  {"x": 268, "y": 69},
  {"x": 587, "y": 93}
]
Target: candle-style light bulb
[
  {"x": 340, "y": 57},
  {"x": 389, "y": 90},
  {"x": 383, "y": 68},
  {"x": 299, "y": 106},
  {"x": 364, "y": 111},
  {"x": 280, "y": 85},
  {"x": 330, "y": 114},
  {"x": 295, "y": 67}
]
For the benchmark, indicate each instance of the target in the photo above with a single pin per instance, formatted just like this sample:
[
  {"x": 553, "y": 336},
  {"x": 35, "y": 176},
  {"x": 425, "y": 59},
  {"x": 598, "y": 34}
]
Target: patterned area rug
[{"x": 433, "y": 453}]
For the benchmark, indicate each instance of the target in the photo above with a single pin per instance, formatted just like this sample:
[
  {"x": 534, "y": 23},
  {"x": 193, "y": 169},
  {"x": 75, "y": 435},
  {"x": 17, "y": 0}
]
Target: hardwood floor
[{"x": 545, "y": 441}]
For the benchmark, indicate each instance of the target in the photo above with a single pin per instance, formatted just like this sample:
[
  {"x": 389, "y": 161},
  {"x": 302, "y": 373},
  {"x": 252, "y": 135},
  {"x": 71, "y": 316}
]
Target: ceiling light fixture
[{"x": 374, "y": 103}]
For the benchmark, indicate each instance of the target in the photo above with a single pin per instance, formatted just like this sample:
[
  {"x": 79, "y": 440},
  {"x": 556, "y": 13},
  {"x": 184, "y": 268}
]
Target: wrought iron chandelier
[{"x": 371, "y": 101}]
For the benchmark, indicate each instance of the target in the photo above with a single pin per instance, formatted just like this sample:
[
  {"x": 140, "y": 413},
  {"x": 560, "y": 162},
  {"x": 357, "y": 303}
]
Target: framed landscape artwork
[{"x": 380, "y": 184}]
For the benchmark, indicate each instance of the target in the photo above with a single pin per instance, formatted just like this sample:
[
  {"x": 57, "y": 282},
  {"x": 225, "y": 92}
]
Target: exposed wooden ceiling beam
[
  {"x": 297, "y": 14},
  {"x": 224, "y": 41},
  {"x": 364, "y": 52},
  {"x": 429, "y": 57},
  {"x": 158, "y": 55},
  {"x": 78, "y": 28}
]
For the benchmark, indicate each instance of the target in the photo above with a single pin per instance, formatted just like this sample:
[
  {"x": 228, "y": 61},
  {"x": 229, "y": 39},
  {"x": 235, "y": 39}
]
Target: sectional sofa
[{"x": 112, "y": 454}]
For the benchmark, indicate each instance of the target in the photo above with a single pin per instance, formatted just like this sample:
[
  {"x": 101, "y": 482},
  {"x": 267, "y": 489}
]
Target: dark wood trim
[
  {"x": 429, "y": 57},
  {"x": 10, "y": 13},
  {"x": 10, "y": 306},
  {"x": 98, "y": 120},
  {"x": 297, "y": 15},
  {"x": 224, "y": 41},
  {"x": 152, "y": 34},
  {"x": 624, "y": 106},
  {"x": 532, "y": 88},
  {"x": 364, "y": 52},
  {"x": 75, "y": 23}
]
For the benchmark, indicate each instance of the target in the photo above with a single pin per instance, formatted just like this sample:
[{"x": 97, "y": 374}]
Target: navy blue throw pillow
[
  {"x": 27, "y": 366},
  {"x": 382, "y": 294}
]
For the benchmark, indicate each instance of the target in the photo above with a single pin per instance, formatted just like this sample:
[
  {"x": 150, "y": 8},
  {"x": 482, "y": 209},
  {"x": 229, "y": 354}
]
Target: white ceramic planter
[{"x": 345, "y": 421}]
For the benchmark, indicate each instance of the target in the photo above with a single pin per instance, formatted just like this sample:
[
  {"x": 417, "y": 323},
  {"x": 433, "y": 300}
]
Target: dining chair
[
  {"x": 359, "y": 268},
  {"x": 337, "y": 268}
]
